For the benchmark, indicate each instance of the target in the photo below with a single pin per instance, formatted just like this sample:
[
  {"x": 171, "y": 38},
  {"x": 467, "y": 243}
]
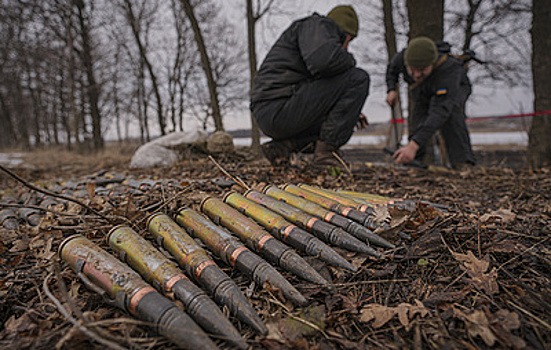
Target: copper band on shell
[
  {"x": 311, "y": 222},
  {"x": 287, "y": 231},
  {"x": 203, "y": 266},
  {"x": 172, "y": 281},
  {"x": 135, "y": 300},
  {"x": 235, "y": 254},
  {"x": 329, "y": 216},
  {"x": 263, "y": 240}
]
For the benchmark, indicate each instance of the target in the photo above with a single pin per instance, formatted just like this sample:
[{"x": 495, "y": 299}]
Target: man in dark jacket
[
  {"x": 308, "y": 89},
  {"x": 397, "y": 67},
  {"x": 438, "y": 99}
]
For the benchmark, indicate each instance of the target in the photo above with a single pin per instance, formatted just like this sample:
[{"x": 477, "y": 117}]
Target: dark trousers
[
  {"x": 457, "y": 139},
  {"x": 326, "y": 109}
]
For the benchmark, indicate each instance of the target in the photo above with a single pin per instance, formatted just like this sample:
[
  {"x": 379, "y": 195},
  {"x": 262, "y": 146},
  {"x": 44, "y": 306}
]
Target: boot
[
  {"x": 277, "y": 152},
  {"x": 323, "y": 155}
]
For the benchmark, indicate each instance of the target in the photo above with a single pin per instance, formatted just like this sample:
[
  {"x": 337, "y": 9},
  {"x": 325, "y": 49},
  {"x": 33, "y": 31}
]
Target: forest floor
[{"x": 472, "y": 272}]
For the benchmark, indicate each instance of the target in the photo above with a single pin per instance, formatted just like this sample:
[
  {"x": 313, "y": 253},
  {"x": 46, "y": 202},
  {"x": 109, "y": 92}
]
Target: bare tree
[
  {"x": 135, "y": 24},
  {"x": 426, "y": 18},
  {"x": 539, "y": 144},
  {"x": 92, "y": 88},
  {"x": 253, "y": 16},
  {"x": 206, "y": 64}
]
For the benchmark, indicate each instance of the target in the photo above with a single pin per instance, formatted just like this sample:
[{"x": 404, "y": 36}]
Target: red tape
[{"x": 479, "y": 119}]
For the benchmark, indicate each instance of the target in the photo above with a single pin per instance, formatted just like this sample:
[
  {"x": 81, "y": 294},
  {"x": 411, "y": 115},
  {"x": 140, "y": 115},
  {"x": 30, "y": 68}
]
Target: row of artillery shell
[{"x": 309, "y": 214}]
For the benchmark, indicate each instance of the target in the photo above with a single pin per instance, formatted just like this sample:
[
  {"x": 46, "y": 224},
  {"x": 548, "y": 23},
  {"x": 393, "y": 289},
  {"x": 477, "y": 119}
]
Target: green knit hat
[
  {"x": 421, "y": 52},
  {"x": 346, "y": 18}
]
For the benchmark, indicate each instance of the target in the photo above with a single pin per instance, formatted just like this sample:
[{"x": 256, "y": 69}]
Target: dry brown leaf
[
  {"x": 476, "y": 269},
  {"x": 477, "y": 324},
  {"x": 380, "y": 313},
  {"x": 500, "y": 215}
]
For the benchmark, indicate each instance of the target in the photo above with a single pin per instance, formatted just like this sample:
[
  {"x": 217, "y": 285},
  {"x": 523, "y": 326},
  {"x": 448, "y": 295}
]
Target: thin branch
[
  {"x": 50, "y": 193},
  {"x": 75, "y": 322},
  {"x": 236, "y": 179}
]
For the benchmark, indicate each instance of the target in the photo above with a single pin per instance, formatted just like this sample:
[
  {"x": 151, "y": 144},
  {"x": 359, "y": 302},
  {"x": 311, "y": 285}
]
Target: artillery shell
[
  {"x": 327, "y": 215},
  {"x": 287, "y": 232},
  {"x": 166, "y": 276},
  {"x": 234, "y": 253},
  {"x": 198, "y": 264},
  {"x": 131, "y": 293},
  {"x": 322, "y": 229},
  {"x": 364, "y": 218},
  {"x": 259, "y": 239}
]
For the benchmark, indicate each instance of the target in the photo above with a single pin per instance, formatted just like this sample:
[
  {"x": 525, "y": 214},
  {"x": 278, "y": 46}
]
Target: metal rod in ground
[
  {"x": 323, "y": 230},
  {"x": 366, "y": 219},
  {"x": 165, "y": 275},
  {"x": 102, "y": 272},
  {"x": 286, "y": 231},
  {"x": 329, "y": 216},
  {"x": 204, "y": 270},
  {"x": 259, "y": 240},
  {"x": 234, "y": 253}
]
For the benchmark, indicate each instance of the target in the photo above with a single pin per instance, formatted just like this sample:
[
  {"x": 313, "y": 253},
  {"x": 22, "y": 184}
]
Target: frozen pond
[{"x": 481, "y": 138}]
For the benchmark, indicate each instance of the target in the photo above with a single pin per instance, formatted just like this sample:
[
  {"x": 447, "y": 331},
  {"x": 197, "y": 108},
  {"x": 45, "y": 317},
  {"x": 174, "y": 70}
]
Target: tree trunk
[
  {"x": 539, "y": 143},
  {"x": 205, "y": 62},
  {"x": 135, "y": 31},
  {"x": 251, "y": 23},
  {"x": 7, "y": 132},
  {"x": 93, "y": 90},
  {"x": 396, "y": 129},
  {"x": 426, "y": 18}
]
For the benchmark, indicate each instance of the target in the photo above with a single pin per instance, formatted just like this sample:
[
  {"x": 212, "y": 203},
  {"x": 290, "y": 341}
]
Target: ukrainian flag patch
[{"x": 441, "y": 92}]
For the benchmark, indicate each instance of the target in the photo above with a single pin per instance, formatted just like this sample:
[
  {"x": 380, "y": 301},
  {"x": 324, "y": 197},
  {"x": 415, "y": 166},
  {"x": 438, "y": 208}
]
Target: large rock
[
  {"x": 220, "y": 142},
  {"x": 164, "y": 150}
]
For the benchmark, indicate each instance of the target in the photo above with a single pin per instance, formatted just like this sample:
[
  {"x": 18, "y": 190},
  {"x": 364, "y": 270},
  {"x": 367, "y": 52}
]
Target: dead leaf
[
  {"x": 477, "y": 324},
  {"x": 508, "y": 320},
  {"x": 307, "y": 323},
  {"x": 500, "y": 215},
  {"x": 274, "y": 333},
  {"x": 380, "y": 313},
  {"x": 476, "y": 269}
]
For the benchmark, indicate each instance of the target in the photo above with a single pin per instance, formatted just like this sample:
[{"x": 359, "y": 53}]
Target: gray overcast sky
[{"x": 483, "y": 102}]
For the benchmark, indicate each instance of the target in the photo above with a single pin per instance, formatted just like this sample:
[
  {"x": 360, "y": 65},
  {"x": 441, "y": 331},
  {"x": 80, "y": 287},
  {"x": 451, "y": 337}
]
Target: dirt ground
[{"x": 471, "y": 272}]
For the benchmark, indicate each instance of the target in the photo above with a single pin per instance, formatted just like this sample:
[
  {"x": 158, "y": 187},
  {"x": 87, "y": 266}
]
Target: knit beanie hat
[
  {"x": 346, "y": 18},
  {"x": 421, "y": 52}
]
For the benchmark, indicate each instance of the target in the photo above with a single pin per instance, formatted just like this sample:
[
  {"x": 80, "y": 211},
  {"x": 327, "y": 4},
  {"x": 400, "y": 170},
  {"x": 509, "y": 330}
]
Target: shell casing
[
  {"x": 287, "y": 232},
  {"x": 119, "y": 281},
  {"x": 175, "y": 239},
  {"x": 337, "y": 197},
  {"x": 165, "y": 275},
  {"x": 370, "y": 198},
  {"x": 234, "y": 253},
  {"x": 198, "y": 264},
  {"x": 327, "y": 215},
  {"x": 325, "y": 231},
  {"x": 364, "y": 218},
  {"x": 131, "y": 293},
  {"x": 144, "y": 258},
  {"x": 357, "y": 230},
  {"x": 259, "y": 240}
]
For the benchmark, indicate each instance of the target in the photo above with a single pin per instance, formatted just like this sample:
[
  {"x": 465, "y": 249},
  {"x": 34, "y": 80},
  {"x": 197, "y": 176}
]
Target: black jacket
[
  {"x": 437, "y": 99},
  {"x": 311, "y": 48},
  {"x": 397, "y": 66}
]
